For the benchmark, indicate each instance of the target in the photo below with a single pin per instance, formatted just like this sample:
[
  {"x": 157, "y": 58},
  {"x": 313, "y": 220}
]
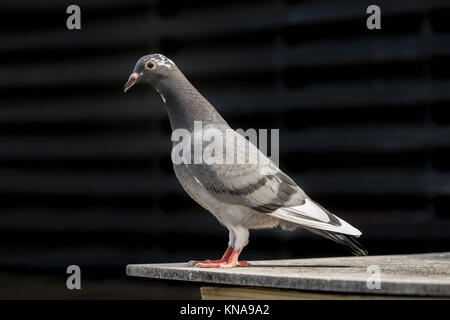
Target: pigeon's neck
[{"x": 185, "y": 104}]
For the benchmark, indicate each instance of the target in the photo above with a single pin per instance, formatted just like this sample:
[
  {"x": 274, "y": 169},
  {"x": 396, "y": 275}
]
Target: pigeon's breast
[{"x": 196, "y": 191}]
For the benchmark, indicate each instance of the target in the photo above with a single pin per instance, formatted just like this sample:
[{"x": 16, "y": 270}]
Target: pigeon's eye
[{"x": 150, "y": 65}]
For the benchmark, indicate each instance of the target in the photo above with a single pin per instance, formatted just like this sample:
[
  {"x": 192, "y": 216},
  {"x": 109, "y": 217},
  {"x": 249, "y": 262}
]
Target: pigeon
[{"x": 242, "y": 195}]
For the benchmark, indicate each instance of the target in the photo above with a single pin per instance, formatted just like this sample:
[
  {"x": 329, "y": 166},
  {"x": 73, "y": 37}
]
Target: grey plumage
[{"x": 242, "y": 196}]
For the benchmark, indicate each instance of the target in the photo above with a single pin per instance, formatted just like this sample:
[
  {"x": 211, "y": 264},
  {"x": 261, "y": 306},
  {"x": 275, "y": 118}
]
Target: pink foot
[
  {"x": 231, "y": 262},
  {"x": 195, "y": 262},
  {"x": 223, "y": 264},
  {"x": 224, "y": 258}
]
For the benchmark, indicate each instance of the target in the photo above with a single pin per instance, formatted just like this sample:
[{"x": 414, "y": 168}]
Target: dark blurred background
[{"x": 85, "y": 171}]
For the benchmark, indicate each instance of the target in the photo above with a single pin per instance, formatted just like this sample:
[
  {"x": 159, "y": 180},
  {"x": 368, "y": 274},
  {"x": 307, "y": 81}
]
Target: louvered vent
[{"x": 85, "y": 173}]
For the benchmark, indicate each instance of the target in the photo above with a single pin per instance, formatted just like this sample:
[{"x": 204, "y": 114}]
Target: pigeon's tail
[
  {"x": 312, "y": 215},
  {"x": 347, "y": 241},
  {"x": 319, "y": 220}
]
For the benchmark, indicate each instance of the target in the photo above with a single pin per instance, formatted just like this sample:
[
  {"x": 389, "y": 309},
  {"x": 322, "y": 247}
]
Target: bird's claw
[{"x": 194, "y": 262}]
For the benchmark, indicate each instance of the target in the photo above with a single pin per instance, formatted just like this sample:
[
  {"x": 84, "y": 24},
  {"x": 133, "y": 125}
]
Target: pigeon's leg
[
  {"x": 225, "y": 256},
  {"x": 240, "y": 242}
]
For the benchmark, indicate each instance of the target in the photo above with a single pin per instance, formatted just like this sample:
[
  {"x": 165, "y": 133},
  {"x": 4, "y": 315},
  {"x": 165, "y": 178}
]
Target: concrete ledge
[{"x": 405, "y": 275}]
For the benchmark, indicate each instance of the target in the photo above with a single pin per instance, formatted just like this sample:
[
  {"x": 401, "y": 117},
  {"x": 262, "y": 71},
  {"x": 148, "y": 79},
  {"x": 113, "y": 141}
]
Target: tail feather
[
  {"x": 347, "y": 241},
  {"x": 315, "y": 218},
  {"x": 311, "y": 215}
]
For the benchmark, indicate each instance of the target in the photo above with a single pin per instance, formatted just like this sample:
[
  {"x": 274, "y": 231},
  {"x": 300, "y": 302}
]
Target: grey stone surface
[{"x": 415, "y": 275}]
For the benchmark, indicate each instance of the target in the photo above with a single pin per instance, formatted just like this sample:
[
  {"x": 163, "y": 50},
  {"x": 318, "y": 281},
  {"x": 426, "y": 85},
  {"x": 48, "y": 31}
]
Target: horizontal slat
[
  {"x": 332, "y": 11},
  {"x": 367, "y": 138},
  {"x": 152, "y": 221},
  {"x": 101, "y": 109},
  {"x": 364, "y": 50},
  {"x": 87, "y": 146},
  {"x": 356, "y": 181},
  {"x": 64, "y": 182},
  {"x": 385, "y": 181},
  {"x": 362, "y": 94},
  {"x": 84, "y": 72},
  {"x": 121, "y": 31},
  {"x": 46, "y": 5}
]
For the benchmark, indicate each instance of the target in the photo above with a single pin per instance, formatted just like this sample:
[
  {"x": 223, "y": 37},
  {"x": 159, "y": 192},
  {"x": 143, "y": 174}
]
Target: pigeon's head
[{"x": 149, "y": 69}]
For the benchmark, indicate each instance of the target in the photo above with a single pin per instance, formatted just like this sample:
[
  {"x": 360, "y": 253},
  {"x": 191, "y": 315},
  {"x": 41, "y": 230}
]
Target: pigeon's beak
[{"x": 131, "y": 81}]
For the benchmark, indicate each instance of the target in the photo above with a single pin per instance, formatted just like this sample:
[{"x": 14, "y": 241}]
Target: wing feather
[{"x": 258, "y": 183}]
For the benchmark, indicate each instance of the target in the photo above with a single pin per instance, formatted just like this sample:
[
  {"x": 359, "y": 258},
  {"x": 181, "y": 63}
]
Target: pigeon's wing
[
  {"x": 247, "y": 178},
  {"x": 260, "y": 185}
]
